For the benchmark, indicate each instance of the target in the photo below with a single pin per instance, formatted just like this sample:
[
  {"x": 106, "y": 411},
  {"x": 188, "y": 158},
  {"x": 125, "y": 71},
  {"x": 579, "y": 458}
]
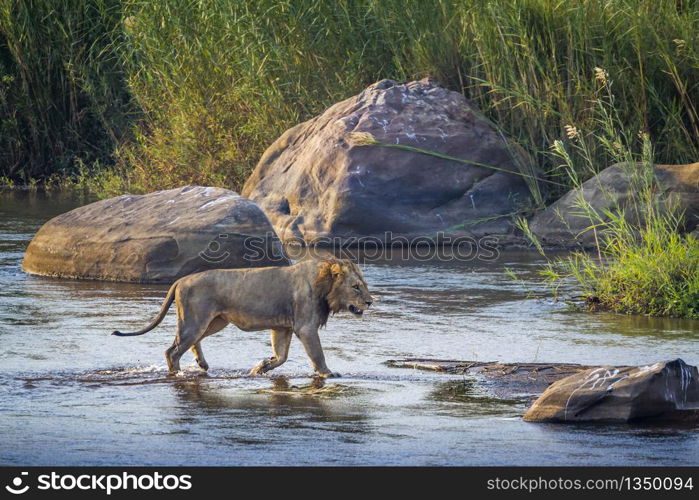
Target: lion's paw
[{"x": 260, "y": 368}]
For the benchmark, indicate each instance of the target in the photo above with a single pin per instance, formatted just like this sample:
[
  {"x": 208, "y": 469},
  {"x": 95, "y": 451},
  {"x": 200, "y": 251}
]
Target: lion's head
[{"x": 341, "y": 284}]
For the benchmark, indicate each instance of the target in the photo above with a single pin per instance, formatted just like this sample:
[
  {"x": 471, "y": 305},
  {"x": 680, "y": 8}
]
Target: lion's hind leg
[
  {"x": 190, "y": 330},
  {"x": 216, "y": 325},
  {"x": 281, "y": 340},
  {"x": 199, "y": 356}
]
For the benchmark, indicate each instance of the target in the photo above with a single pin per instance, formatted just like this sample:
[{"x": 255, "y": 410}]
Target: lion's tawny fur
[{"x": 296, "y": 299}]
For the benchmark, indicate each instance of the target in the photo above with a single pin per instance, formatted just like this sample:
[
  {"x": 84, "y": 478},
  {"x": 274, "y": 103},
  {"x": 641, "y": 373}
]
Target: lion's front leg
[
  {"x": 281, "y": 340},
  {"x": 311, "y": 343}
]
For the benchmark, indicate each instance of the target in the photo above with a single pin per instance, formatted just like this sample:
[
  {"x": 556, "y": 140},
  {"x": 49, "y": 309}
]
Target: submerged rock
[
  {"x": 564, "y": 224},
  {"x": 317, "y": 183},
  {"x": 507, "y": 381},
  {"x": 155, "y": 238},
  {"x": 665, "y": 391}
]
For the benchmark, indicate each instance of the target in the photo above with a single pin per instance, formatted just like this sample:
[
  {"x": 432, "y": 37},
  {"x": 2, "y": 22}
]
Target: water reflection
[
  {"x": 468, "y": 397},
  {"x": 295, "y": 405},
  {"x": 632, "y": 325}
]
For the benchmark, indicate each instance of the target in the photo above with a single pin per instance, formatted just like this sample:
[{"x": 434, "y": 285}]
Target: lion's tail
[{"x": 163, "y": 311}]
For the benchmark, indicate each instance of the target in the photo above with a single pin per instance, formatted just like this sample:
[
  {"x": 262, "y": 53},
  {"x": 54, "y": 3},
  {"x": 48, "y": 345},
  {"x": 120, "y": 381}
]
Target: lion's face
[{"x": 345, "y": 285}]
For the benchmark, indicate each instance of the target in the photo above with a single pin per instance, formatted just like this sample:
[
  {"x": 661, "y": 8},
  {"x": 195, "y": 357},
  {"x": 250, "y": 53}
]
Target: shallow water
[{"x": 72, "y": 394}]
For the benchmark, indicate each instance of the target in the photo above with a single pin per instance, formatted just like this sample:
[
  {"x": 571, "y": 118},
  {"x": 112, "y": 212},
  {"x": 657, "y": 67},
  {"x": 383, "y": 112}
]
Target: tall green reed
[
  {"x": 214, "y": 82},
  {"x": 641, "y": 263},
  {"x": 234, "y": 75},
  {"x": 62, "y": 90}
]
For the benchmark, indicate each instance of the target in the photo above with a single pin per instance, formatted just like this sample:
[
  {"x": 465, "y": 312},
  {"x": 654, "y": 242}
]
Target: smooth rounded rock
[
  {"x": 667, "y": 390},
  {"x": 155, "y": 238},
  {"x": 318, "y": 184},
  {"x": 564, "y": 224}
]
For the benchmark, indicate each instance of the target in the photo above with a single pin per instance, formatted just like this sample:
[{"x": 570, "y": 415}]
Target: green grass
[
  {"x": 657, "y": 275},
  {"x": 650, "y": 269},
  {"x": 182, "y": 91},
  {"x": 64, "y": 100},
  {"x": 641, "y": 264}
]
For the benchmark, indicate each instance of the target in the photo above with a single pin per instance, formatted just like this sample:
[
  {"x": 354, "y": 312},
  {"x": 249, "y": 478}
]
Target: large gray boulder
[
  {"x": 667, "y": 391},
  {"x": 564, "y": 224},
  {"x": 316, "y": 183},
  {"x": 155, "y": 238}
]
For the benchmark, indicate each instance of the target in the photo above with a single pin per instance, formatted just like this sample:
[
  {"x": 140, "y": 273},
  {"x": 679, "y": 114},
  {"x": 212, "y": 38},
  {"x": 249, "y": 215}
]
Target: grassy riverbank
[
  {"x": 141, "y": 95},
  {"x": 642, "y": 266},
  {"x": 109, "y": 96},
  {"x": 640, "y": 263}
]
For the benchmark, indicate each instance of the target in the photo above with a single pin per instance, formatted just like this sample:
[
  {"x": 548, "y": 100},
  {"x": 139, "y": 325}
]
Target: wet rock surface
[
  {"x": 563, "y": 224},
  {"x": 667, "y": 390},
  {"x": 524, "y": 381},
  {"x": 155, "y": 238}
]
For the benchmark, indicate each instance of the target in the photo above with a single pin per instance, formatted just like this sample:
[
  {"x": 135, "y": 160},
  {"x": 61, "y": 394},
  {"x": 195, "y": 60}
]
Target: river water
[{"x": 72, "y": 394}]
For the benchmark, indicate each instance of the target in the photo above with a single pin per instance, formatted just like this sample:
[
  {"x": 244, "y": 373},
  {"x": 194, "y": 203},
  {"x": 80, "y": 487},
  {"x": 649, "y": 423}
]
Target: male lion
[{"x": 294, "y": 299}]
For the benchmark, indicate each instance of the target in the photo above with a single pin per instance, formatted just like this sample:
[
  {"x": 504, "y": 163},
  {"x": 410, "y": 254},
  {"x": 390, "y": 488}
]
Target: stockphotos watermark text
[
  {"x": 267, "y": 248},
  {"x": 106, "y": 483}
]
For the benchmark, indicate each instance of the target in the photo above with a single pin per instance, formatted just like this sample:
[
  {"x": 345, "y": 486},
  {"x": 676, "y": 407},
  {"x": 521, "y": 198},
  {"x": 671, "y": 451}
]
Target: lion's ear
[
  {"x": 324, "y": 280},
  {"x": 336, "y": 270}
]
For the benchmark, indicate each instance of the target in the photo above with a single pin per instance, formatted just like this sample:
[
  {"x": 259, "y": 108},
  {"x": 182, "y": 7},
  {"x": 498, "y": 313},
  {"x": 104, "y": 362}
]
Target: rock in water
[
  {"x": 316, "y": 183},
  {"x": 667, "y": 390},
  {"x": 155, "y": 238},
  {"x": 564, "y": 224}
]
